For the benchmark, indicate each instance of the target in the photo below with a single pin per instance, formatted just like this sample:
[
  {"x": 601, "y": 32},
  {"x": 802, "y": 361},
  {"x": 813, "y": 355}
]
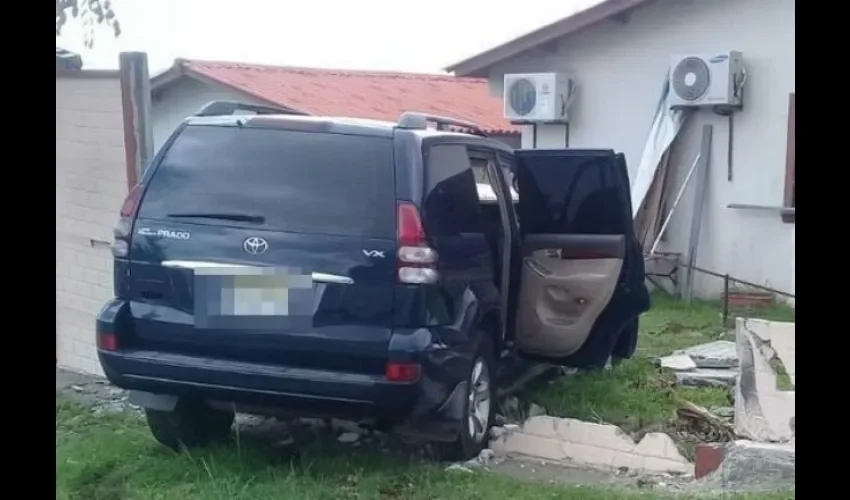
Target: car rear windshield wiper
[{"x": 259, "y": 219}]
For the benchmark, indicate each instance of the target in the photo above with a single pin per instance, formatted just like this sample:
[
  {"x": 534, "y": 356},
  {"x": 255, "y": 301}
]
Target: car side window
[{"x": 451, "y": 204}]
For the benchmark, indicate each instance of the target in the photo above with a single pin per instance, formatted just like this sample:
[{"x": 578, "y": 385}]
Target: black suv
[{"x": 274, "y": 263}]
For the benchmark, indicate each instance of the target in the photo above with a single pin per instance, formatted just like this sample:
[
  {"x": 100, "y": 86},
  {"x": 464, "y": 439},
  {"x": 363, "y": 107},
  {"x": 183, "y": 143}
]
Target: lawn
[
  {"x": 637, "y": 395},
  {"x": 114, "y": 457}
]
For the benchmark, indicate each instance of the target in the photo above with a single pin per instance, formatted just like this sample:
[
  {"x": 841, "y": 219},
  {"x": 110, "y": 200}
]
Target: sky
[{"x": 392, "y": 35}]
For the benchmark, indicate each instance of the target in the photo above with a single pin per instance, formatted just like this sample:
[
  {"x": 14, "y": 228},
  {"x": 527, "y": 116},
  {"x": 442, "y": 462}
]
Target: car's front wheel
[
  {"x": 190, "y": 424},
  {"x": 479, "y": 408}
]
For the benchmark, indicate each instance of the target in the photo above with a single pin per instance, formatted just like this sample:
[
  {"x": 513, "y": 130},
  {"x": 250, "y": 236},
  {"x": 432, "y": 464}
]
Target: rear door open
[{"x": 581, "y": 276}]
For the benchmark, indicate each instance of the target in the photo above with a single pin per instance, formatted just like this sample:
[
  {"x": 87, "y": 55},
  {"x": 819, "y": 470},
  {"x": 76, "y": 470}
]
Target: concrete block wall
[
  {"x": 601, "y": 446},
  {"x": 90, "y": 187}
]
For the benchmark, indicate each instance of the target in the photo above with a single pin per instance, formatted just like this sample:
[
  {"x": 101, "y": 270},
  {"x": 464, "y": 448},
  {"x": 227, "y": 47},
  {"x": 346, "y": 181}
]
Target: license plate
[{"x": 251, "y": 294}]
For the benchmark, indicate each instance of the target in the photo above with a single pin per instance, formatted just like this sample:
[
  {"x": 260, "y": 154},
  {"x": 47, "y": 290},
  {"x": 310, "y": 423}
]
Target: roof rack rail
[
  {"x": 419, "y": 121},
  {"x": 224, "y": 108}
]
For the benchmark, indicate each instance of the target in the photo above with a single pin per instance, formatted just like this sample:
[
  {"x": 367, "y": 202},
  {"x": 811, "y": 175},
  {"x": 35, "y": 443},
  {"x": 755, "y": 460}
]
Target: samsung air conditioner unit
[
  {"x": 538, "y": 97},
  {"x": 713, "y": 80}
]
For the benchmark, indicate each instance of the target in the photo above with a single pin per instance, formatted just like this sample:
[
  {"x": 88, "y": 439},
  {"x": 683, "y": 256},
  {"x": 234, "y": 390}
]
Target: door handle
[{"x": 537, "y": 268}]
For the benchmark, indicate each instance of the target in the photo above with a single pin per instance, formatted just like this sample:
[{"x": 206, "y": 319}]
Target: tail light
[
  {"x": 107, "y": 341},
  {"x": 124, "y": 227},
  {"x": 417, "y": 262},
  {"x": 403, "y": 372}
]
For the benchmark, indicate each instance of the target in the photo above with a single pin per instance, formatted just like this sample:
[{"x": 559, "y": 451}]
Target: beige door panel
[{"x": 560, "y": 300}]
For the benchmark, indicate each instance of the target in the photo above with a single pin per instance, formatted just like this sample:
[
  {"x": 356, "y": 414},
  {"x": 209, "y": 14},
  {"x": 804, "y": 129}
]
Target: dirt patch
[{"x": 95, "y": 392}]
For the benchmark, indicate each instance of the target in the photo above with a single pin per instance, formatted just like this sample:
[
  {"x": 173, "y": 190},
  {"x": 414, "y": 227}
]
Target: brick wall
[{"x": 90, "y": 186}]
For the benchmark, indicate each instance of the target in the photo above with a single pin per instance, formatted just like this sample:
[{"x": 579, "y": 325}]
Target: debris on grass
[
  {"x": 485, "y": 459},
  {"x": 751, "y": 466},
  {"x": 699, "y": 421},
  {"x": 707, "y": 377},
  {"x": 717, "y": 354},
  {"x": 724, "y": 412},
  {"x": 712, "y": 364},
  {"x": 458, "y": 468},
  {"x": 678, "y": 362}
]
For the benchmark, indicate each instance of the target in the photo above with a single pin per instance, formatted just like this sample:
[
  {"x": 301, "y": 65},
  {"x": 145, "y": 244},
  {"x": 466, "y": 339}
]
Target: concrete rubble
[
  {"x": 765, "y": 412},
  {"x": 577, "y": 443},
  {"x": 765, "y": 408},
  {"x": 714, "y": 364},
  {"x": 751, "y": 466},
  {"x": 720, "y": 354}
]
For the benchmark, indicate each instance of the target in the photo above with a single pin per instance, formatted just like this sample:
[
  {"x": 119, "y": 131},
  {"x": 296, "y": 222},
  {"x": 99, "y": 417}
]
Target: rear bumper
[{"x": 432, "y": 407}]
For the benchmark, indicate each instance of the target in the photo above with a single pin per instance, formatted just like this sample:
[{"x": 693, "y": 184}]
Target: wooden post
[
  {"x": 136, "y": 104},
  {"x": 699, "y": 203}
]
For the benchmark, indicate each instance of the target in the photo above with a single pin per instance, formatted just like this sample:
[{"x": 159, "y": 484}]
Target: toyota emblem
[{"x": 255, "y": 245}]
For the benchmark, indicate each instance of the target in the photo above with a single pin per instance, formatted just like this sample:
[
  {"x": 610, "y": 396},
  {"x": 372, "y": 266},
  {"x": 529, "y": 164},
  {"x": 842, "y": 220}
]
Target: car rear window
[{"x": 296, "y": 181}]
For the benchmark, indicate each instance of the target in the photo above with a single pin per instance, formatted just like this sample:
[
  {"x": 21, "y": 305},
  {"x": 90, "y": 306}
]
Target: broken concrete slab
[
  {"x": 751, "y": 466},
  {"x": 575, "y": 442},
  {"x": 762, "y": 411},
  {"x": 707, "y": 377},
  {"x": 717, "y": 354},
  {"x": 713, "y": 364},
  {"x": 485, "y": 458},
  {"x": 678, "y": 362},
  {"x": 782, "y": 338}
]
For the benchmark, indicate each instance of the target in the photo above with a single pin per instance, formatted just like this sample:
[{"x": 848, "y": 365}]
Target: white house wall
[
  {"x": 90, "y": 186},
  {"x": 184, "y": 98},
  {"x": 620, "y": 67}
]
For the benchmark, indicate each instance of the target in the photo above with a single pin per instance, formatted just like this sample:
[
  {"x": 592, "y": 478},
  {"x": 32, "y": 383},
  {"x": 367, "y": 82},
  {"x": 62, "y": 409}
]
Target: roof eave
[
  {"x": 160, "y": 82},
  {"x": 479, "y": 64}
]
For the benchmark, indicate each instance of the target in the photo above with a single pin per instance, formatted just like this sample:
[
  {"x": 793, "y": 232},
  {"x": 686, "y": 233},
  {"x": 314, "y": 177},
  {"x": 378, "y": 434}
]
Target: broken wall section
[
  {"x": 765, "y": 396},
  {"x": 577, "y": 443}
]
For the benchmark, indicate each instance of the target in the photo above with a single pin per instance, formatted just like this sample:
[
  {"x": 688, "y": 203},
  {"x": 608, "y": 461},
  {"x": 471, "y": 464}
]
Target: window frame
[{"x": 789, "y": 199}]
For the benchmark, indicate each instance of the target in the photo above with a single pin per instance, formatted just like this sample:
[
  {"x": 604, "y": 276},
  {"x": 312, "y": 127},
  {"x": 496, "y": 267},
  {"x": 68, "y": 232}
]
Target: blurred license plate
[
  {"x": 255, "y": 296},
  {"x": 252, "y": 294}
]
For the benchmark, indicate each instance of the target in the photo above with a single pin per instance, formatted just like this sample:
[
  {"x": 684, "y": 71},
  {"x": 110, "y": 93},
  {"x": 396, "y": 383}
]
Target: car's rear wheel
[
  {"x": 479, "y": 408},
  {"x": 190, "y": 424}
]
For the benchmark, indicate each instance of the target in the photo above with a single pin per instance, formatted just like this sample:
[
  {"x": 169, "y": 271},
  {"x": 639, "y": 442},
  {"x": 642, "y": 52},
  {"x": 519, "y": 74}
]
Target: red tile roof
[{"x": 360, "y": 94}]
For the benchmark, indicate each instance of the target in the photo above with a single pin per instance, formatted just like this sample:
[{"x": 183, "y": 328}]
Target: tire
[
  {"x": 190, "y": 424},
  {"x": 475, "y": 426},
  {"x": 626, "y": 343}
]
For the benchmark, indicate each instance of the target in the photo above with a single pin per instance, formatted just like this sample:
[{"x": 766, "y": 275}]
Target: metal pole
[
  {"x": 725, "y": 300},
  {"x": 673, "y": 208}
]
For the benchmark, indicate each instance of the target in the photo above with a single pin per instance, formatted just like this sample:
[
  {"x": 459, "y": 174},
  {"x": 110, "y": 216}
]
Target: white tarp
[{"x": 665, "y": 128}]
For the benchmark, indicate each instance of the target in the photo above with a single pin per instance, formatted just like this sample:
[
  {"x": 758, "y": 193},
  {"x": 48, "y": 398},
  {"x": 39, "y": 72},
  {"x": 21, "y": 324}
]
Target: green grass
[
  {"x": 114, "y": 458},
  {"x": 637, "y": 395}
]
